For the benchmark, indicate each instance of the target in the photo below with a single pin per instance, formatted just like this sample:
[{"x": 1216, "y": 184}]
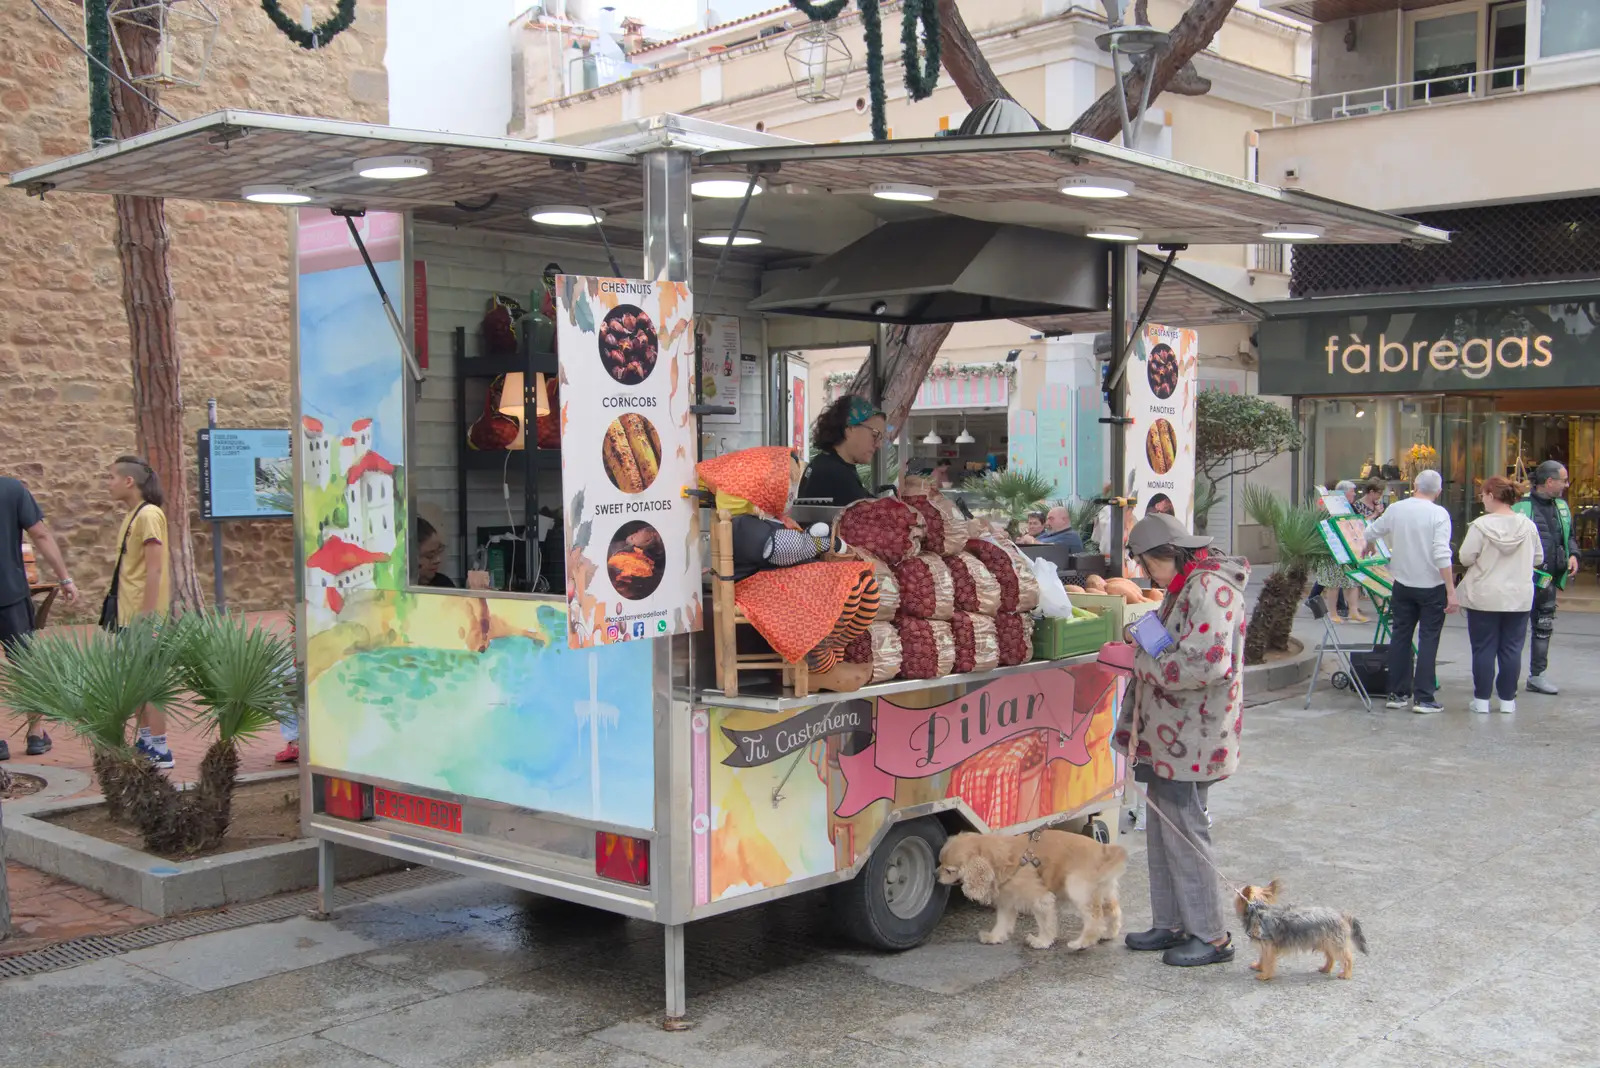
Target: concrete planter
[
  {"x": 164, "y": 887},
  {"x": 1279, "y": 675}
]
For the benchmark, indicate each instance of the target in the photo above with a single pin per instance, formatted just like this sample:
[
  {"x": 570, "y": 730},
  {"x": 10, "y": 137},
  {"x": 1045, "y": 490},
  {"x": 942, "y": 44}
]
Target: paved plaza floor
[{"x": 1468, "y": 846}]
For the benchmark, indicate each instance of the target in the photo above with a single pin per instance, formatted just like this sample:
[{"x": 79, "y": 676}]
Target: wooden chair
[{"x": 726, "y": 618}]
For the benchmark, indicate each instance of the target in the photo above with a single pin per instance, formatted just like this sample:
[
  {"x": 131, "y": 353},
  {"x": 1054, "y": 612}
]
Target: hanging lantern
[
  {"x": 819, "y": 63},
  {"x": 185, "y": 31}
]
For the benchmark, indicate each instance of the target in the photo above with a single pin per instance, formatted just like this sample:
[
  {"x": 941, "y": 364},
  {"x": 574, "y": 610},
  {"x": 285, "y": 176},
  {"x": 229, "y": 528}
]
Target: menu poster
[
  {"x": 719, "y": 364},
  {"x": 1163, "y": 380},
  {"x": 627, "y": 454}
]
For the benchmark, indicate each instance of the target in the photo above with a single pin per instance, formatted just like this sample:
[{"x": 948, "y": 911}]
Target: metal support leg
[
  {"x": 675, "y": 981},
  {"x": 324, "y": 879}
]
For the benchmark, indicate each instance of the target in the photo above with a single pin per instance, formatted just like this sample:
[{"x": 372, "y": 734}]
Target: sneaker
[
  {"x": 1508, "y": 707},
  {"x": 161, "y": 759},
  {"x": 289, "y": 754},
  {"x": 1397, "y": 702},
  {"x": 1195, "y": 952},
  {"x": 1480, "y": 706},
  {"x": 1427, "y": 708},
  {"x": 1540, "y": 684},
  {"x": 39, "y": 744}
]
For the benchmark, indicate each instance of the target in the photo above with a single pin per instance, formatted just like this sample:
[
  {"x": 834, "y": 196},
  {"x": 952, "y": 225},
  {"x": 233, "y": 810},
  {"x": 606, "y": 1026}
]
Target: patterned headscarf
[{"x": 861, "y": 410}]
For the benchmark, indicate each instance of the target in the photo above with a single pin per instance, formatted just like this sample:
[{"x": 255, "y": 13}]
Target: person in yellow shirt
[{"x": 144, "y": 579}]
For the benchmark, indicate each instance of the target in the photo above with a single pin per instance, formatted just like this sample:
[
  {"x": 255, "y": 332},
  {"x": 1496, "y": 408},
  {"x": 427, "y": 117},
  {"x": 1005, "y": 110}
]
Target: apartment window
[
  {"x": 1569, "y": 26},
  {"x": 1508, "y": 45},
  {"x": 1441, "y": 48}
]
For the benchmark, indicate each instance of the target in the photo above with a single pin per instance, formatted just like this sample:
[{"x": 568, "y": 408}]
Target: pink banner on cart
[{"x": 914, "y": 743}]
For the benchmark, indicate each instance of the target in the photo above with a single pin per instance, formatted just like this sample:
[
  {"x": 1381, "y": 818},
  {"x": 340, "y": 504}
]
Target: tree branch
[
  {"x": 1200, "y": 23},
  {"x": 963, "y": 60}
]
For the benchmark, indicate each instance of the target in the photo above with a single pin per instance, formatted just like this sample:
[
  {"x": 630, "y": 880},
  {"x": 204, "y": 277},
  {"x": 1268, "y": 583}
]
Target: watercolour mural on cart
[
  {"x": 780, "y": 800},
  {"x": 474, "y": 696},
  {"x": 632, "y": 538}
]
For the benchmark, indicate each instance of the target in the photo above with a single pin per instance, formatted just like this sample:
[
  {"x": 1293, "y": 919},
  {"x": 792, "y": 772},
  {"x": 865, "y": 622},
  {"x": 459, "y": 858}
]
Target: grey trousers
[{"x": 1184, "y": 892}]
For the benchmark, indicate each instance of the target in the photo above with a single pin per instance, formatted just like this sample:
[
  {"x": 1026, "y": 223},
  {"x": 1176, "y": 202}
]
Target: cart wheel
[
  {"x": 1341, "y": 681},
  {"x": 1097, "y": 829},
  {"x": 896, "y": 899}
]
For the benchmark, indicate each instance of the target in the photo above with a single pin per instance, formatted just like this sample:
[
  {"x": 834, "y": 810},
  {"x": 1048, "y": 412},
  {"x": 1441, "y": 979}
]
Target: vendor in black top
[
  {"x": 430, "y": 554},
  {"x": 846, "y": 434}
]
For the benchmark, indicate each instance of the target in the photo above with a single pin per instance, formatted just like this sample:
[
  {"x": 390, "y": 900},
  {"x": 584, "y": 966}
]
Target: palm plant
[
  {"x": 1013, "y": 494},
  {"x": 243, "y": 683},
  {"x": 1207, "y": 495},
  {"x": 1297, "y": 531},
  {"x": 94, "y": 683}
]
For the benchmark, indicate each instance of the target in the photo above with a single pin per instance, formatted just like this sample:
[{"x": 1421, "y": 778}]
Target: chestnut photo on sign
[
  {"x": 628, "y": 344},
  {"x": 635, "y": 560},
  {"x": 1161, "y": 446},
  {"x": 1162, "y": 371}
]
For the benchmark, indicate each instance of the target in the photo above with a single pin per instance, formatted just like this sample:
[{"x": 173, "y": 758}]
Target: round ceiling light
[
  {"x": 905, "y": 192},
  {"x": 719, "y": 238},
  {"x": 1292, "y": 232},
  {"x": 1094, "y": 188},
  {"x": 275, "y": 194},
  {"x": 393, "y": 168},
  {"x": 566, "y": 215},
  {"x": 1115, "y": 233},
  {"x": 724, "y": 185}
]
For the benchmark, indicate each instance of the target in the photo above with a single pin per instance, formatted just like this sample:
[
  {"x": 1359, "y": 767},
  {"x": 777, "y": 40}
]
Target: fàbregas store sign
[{"x": 1433, "y": 350}]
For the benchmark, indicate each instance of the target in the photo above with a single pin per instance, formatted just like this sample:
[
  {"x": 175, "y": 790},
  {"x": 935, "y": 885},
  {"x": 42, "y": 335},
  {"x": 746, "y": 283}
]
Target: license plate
[{"x": 422, "y": 811}]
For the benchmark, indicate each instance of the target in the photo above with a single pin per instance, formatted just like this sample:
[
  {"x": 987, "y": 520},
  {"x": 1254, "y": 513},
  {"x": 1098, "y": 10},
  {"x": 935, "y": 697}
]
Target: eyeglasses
[{"x": 877, "y": 435}]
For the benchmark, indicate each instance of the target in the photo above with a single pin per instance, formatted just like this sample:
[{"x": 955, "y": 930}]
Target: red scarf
[{"x": 1176, "y": 585}]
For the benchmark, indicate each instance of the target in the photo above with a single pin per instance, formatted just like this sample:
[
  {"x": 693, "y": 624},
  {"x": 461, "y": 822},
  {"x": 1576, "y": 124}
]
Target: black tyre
[
  {"x": 1341, "y": 681},
  {"x": 1098, "y": 830},
  {"x": 895, "y": 901}
]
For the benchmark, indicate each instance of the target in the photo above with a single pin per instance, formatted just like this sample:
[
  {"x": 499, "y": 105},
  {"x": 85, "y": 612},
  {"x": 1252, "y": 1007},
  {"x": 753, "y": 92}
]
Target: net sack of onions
[
  {"x": 977, "y": 590},
  {"x": 977, "y": 642},
  {"x": 888, "y": 588},
  {"x": 886, "y": 528},
  {"x": 859, "y": 651},
  {"x": 887, "y": 654},
  {"x": 928, "y": 648},
  {"x": 926, "y": 589},
  {"x": 943, "y": 525},
  {"x": 1015, "y": 632}
]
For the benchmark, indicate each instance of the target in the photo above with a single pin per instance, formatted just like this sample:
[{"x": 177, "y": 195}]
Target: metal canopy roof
[
  {"x": 213, "y": 157},
  {"x": 1013, "y": 178},
  {"x": 817, "y": 200},
  {"x": 1185, "y": 299}
]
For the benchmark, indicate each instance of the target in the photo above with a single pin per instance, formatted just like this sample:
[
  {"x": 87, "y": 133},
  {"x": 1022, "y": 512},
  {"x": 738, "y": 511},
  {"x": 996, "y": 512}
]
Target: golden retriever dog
[{"x": 1030, "y": 873}]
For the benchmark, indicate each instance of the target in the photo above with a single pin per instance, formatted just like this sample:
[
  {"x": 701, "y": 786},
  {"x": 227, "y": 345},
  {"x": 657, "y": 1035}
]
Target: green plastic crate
[{"x": 1055, "y": 639}]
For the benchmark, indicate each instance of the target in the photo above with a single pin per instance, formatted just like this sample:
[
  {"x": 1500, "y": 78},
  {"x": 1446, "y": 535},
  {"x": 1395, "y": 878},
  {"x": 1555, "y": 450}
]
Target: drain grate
[{"x": 96, "y": 947}]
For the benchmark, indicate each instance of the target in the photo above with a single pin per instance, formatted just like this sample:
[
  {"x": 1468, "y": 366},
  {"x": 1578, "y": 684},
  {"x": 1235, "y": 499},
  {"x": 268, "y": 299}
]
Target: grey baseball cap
[{"x": 1162, "y": 529}]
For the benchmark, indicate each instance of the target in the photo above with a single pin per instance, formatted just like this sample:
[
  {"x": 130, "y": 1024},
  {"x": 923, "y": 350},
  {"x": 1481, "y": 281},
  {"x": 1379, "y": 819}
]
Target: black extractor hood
[{"x": 948, "y": 270}]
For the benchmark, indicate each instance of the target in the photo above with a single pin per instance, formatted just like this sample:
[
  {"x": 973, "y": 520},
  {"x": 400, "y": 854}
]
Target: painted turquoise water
[{"x": 510, "y": 724}]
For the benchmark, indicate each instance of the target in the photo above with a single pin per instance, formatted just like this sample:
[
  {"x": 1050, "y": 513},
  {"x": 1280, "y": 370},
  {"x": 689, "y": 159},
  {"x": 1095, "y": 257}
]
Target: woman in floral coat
[{"x": 1182, "y": 717}]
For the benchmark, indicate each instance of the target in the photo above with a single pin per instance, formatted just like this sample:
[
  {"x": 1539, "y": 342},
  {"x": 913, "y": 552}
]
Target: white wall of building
[{"x": 450, "y": 65}]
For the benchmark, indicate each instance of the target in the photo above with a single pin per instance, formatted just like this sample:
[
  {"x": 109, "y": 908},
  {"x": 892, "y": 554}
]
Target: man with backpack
[{"x": 1553, "y": 517}]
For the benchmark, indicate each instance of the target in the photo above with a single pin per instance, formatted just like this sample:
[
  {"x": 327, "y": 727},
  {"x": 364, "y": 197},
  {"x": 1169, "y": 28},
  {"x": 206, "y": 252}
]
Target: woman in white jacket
[{"x": 1500, "y": 551}]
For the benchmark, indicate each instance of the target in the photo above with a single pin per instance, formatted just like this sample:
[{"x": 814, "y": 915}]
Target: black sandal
[
  {"x": 1195, "y": 952},
  {"x": 1156, "y": 938}
]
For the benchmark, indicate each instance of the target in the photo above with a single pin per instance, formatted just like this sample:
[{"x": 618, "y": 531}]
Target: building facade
[
  {"x": 65, "y": 383},
  {"x": 1481, "y": 357}
]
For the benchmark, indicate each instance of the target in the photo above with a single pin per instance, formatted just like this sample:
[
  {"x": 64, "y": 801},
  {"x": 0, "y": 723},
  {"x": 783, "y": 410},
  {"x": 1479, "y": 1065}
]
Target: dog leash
[{"x": 1233, "y": 887}]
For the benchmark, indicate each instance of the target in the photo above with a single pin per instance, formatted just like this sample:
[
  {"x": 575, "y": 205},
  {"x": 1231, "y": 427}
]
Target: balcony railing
[{"x": 1425, "y": 92}]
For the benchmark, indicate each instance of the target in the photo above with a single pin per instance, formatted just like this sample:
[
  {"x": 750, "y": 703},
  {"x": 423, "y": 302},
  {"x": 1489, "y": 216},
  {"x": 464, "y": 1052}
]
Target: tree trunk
[
  {"x": 142, "y": 242},
  {"x": 1200, "y": 23},
  {"x": 963, "y": 60}
]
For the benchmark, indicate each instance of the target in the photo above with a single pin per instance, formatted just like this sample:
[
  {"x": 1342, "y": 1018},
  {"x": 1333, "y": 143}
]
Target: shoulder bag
[{"x": 108, "y": 607}]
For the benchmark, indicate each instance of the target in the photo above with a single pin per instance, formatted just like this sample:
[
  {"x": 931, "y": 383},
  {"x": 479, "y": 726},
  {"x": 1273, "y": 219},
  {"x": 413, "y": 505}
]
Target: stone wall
[{"x": 65, "y": 388}]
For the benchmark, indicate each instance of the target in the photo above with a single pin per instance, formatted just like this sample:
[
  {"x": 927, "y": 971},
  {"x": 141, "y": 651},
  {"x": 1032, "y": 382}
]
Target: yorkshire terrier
[{"x": 1279, "y": 929}]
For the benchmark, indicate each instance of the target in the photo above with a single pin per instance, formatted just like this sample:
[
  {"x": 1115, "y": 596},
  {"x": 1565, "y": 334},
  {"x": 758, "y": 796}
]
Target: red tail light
[{"x": 624, "y": 859}]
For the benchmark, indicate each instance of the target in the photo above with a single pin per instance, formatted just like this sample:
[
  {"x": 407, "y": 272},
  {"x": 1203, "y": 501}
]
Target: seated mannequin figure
[{"x": 805, "y": 599}]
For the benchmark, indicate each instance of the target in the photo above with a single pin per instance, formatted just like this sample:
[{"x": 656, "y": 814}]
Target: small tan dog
[
  {"x": 1027, "y": 872},
  {"x": 1280, "y": 929}
]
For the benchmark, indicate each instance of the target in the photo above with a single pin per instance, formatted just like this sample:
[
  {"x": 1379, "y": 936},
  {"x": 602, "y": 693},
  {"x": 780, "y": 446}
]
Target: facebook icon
[{"x": 638, "y": 628}]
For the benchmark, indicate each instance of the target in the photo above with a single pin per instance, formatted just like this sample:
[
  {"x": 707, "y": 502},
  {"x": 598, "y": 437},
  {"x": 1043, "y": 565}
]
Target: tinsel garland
[
  {"x": 320, "y": 34},
  {"x": 920, "y": 19},
  {"x": 939, "y": 372}
]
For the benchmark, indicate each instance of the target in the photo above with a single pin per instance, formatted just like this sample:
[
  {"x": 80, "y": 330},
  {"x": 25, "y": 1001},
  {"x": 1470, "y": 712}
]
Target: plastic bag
[
  {"x": 1053, "y": 599},
  {"x": 887, "y": 652}
]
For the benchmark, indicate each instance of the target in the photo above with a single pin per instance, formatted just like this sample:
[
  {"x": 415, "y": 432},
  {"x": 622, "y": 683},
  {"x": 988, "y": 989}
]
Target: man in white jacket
[{"x": 1418, "y": 533}]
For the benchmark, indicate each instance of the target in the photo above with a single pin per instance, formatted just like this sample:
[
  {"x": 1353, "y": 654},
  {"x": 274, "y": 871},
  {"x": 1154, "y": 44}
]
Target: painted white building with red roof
[
  {"x": 337, "y": 567},
  {"x": 316, "y": 448},
  {"x": 369, "y": 500}
]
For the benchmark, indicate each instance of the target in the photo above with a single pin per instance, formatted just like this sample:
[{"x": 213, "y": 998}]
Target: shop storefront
[{"x": 1475, "y": 383}]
